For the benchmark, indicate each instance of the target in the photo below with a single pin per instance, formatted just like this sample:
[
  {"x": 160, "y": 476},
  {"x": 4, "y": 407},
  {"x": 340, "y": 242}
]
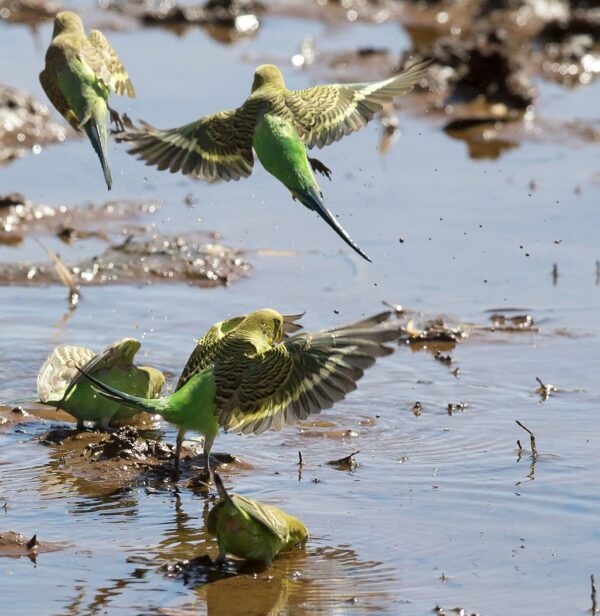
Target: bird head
[
  {"x": 267, "y": 74},
  {"x": 267, "y": 322},
  {"x": 67, "y": 21}
]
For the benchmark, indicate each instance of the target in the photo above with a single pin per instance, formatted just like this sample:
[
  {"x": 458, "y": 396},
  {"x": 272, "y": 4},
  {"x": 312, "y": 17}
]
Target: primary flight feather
[
  {"x": 244, "y": 377},
  {"x": 278, "y": 124},
  {"x": 78, "y": 76}
]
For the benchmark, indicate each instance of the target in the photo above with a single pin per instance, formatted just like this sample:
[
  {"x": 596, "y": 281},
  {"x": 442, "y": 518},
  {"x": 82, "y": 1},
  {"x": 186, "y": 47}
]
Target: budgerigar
[
  {"x": 60, "y": 384},
  {"x": 79, "y": 74},
  {"x": 278, "y": 124},
  {"x": 244, "y": 377},
  {"x": 252, "y": 530}
]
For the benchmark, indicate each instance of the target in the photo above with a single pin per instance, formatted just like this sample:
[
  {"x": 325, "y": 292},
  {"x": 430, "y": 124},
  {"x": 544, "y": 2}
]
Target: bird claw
[
  {"x": 319, "y": 167},
  {"x": 115, "y": 118}
]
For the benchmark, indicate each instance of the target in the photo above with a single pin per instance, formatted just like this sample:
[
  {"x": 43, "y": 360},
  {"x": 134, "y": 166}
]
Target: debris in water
[
  {"x": 16, "y": 545},
  {"x": 417, "y": 408},
  {"x": 545, "y": 391},
  {"x": 459, "y": 406},
  {"x": 347, "y": 463},
  {"x": 65, "y": 276},
  {"x": 534, "y": 453},
  {"x": 594, "y": 609}
]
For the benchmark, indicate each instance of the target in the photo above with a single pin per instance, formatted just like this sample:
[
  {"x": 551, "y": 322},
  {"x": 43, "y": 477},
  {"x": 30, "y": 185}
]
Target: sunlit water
[{"x": 440, "y": 510}]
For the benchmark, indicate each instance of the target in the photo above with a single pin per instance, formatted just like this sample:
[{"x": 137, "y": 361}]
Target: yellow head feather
[
  {"x": 267, "y": 74},
  {"x": 67, "y": 21}
]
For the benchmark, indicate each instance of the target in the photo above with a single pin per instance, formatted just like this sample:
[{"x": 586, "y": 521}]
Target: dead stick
[
  {"x": 300, "y": 462},
  {"x": 594, "y": 605},
  {"x": 534, "y": 453}
]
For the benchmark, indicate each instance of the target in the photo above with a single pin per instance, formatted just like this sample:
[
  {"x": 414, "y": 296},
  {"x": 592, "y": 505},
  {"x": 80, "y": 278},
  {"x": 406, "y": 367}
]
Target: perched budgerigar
[
  {"x": 252, "y": 530},
  {"x": 278, "y": 124},
  {"x": 244, "y": 377},
  {"x": 60, "y": 384},
  {"x": 79, "y": 74}
]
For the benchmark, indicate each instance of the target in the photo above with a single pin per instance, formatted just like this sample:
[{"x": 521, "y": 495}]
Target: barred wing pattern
[
  {"x": 216, "y": 147},
  {"x": 104, "y": 61},
  {"x": 297, "y": 378},
  {"x": 59, "y": 370},
  {"x": 324, "y": 114}
]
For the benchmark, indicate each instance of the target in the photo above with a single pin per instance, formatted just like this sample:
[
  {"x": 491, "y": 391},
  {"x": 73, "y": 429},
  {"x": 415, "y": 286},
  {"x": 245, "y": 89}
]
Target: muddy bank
[{"x": 26, "y": 125}]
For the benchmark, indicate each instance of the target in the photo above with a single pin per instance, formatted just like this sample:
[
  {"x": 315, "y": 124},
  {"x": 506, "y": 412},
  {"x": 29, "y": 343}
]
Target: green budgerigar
[
  {"x": 79, "y": 74},
  {"x": 252, "y": 530},
  {"x": 246, "y": 378},
  {"x": 278, "y": 124},
  {"x": 60, "y": 384}
]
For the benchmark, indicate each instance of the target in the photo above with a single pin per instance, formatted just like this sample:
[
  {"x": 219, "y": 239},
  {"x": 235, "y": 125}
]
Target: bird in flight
[
  {"x": 79, "y": 74},
  {"x": 279, "y": 125}
]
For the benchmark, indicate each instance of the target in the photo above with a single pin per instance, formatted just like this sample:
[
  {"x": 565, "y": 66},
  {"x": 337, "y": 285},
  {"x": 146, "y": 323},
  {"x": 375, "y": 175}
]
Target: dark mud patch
[
  {"x": 25, "y": 124},
  {"x": 19, "y": 215},
  {"x": 16, "y": 545},
  {"x": 99, "y": 463},
  {"x": 192, "y": 258},
  {"x": 225, "y": 20}
]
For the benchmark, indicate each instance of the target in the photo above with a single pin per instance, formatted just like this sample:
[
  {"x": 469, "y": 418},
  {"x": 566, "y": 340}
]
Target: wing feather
[
  {"x": 59, "y": 370},
  {"x": 324, "y": 114},
  {"x": 104, "y": 61},
  {"x": 298, "y": 378},
  {"x": 216, "y": 147}
]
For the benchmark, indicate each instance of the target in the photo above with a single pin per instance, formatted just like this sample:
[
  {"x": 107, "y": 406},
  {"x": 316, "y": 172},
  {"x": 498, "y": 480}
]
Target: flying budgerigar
[
  {"x": 59, "y": 383},
  {"x": 79, "y": 74},
  {"x": 278, "y": 124},
  {"x": 250, "y": 529},
  {"x": 246, "y": 378}
]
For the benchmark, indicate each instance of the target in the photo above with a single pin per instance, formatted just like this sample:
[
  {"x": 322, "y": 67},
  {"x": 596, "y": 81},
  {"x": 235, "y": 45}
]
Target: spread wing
[
  {"x": 57, "y": 98},
  {"x": 59, "y": 370},
  {"x": 216, "y": 147},
  {"x": 268, "y": 515},
  {"x": 206, "y": 350},
  {"x": 324, "y": 114},
  {"x": 121, "y": 353},
  {"x": 104, "y": 61},
  {"x": 298, "y": 378},
  {"x": 209, "y": 346}
]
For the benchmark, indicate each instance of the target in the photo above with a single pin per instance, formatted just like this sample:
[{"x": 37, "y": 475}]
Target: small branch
[
  {"x": 534, "y": 453},
  {"x": 594, "y": 604},
  {"x": 300, "y": 461}
]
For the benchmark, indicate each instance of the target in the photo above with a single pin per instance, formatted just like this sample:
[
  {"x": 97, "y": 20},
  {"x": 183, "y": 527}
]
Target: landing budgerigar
[
  {"x": 278, "y": 124},
  {"x": 59, "y": 383},
  {"x": 79, "y": 74},
  {"x": 246, "y": 378},
  {"x": 252, "y": 530}
]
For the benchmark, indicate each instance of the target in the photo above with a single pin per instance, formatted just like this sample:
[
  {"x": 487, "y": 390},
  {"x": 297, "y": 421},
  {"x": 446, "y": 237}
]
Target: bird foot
[
  {"x": 319, "y": 167},
  {"x": 115, "y": 118}
]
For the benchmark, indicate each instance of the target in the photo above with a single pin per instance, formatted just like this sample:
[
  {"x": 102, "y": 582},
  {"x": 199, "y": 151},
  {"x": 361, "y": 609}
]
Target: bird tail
[
  {"x": 98, "y": 135},
  {"x": 223, "y": 495},
  {"x": 313, "y": 200},
  {"x": 149, "y": 405}
]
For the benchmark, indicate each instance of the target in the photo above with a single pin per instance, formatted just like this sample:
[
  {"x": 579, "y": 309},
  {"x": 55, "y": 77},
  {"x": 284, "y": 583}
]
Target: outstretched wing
[
  {"x": 121, "y": 353},
  {"x": 207, "y": 349},
  {"x": 59, "y": 370},
  {"x": 216, "y": 147},
  {"x": 209, "y": 346},
  {"x": 104, "y": 61},
  {"x": 297, "y": 378},
  {"x": 324, "y": 114}
]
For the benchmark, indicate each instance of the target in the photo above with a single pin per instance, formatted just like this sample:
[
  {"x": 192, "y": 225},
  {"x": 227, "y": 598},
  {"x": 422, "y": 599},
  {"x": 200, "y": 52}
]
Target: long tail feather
[
  {"x": 223, "y": 495},
  {"x": 98, "y": 136},
  {"x": 149, "y": 405},
  {"x": 313, "y": 200}
]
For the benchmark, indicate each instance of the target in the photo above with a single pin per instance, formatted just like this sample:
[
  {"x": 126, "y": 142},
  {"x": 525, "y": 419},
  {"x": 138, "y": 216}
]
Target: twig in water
[
  {"x": 534, "y": 453},
  {"x": 544, "y": 390},
  {"x": 594, "y": 604},
  {"x": 554, "y": 274},
  {"x": 65, "y": 276},
  {"x": 300, "y": 461}
]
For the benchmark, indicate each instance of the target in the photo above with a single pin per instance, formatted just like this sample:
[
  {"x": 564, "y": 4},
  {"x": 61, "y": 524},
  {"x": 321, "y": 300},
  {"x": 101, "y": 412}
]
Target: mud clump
[
  {"x": 127, "y": 444},
  {"x": 192, "y": 258},
  {"x": 25, "y": 125},
  {"x": 486, "y": 66},
  {"x": 16, "y": 545}
]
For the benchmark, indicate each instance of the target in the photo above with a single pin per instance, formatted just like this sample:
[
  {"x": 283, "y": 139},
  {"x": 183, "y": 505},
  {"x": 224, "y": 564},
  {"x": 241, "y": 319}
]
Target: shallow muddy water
[{"x": 442, "y": 509}]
